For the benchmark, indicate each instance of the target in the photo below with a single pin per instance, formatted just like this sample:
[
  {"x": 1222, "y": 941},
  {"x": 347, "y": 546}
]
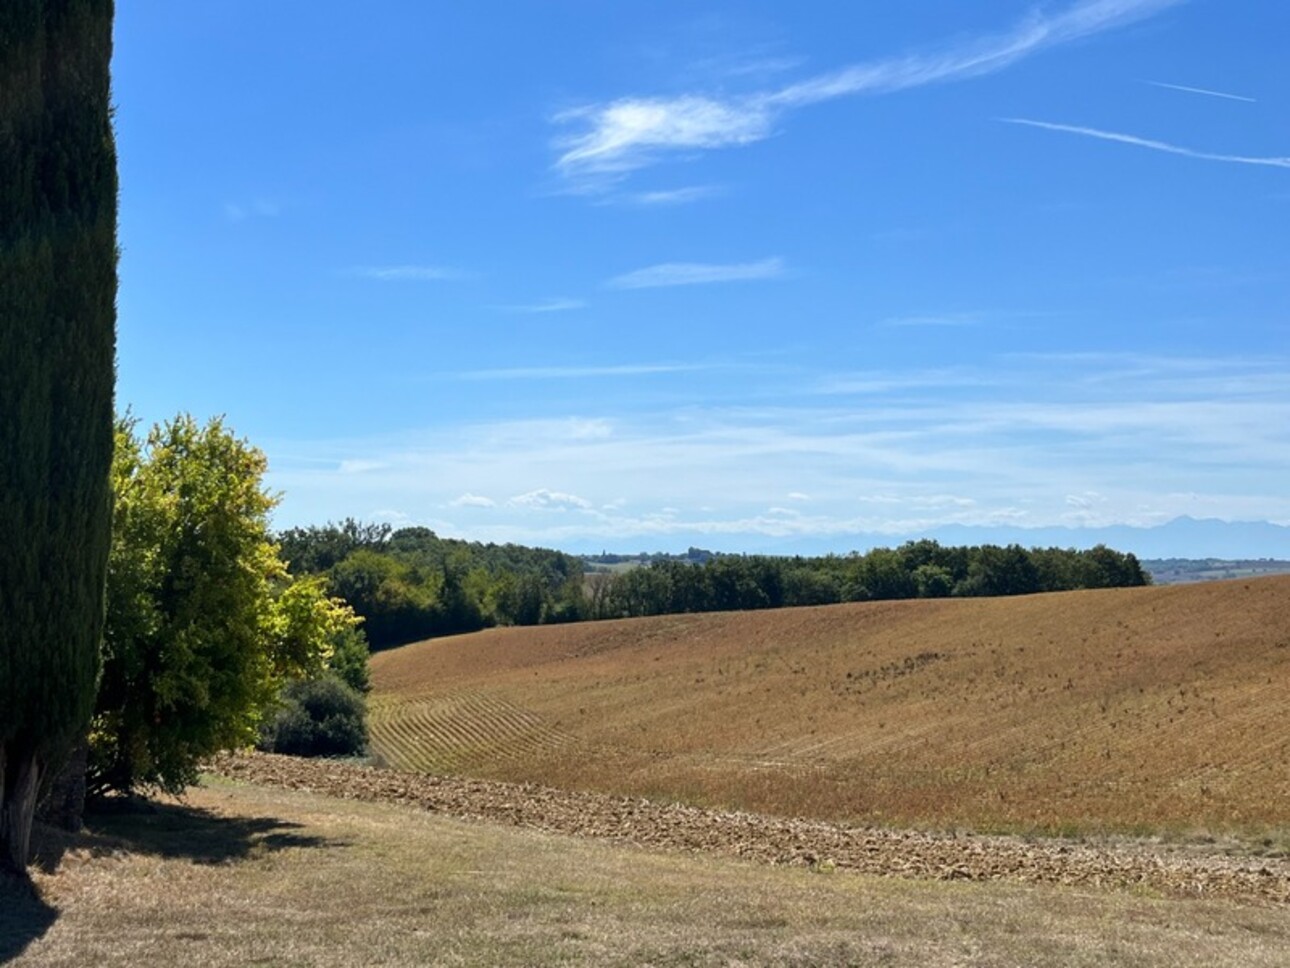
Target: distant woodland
[
  {"x": 411, "y": 584},
  {"x": 1177, "y": 571}
]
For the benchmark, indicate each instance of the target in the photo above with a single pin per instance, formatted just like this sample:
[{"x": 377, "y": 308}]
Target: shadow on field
[
  {"x": 24, "y": 917},
  {"x": 173, "y": 831}
]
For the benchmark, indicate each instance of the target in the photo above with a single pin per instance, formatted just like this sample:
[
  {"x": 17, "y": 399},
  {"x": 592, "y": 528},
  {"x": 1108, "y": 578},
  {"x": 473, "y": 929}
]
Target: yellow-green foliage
[{"x": 204, "y": 624}]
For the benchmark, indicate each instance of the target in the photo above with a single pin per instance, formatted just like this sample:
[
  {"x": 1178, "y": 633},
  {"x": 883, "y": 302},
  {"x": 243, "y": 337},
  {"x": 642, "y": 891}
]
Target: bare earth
[
  {"x": 1130, "y": 711},
  {"x": 1196, "y": 871}
]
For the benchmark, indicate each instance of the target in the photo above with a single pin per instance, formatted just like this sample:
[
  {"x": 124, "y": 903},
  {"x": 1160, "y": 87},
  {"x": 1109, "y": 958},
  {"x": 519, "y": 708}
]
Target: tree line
[
  {"x": 916, "y": 569},
  {"x": 410, "y": 584}
]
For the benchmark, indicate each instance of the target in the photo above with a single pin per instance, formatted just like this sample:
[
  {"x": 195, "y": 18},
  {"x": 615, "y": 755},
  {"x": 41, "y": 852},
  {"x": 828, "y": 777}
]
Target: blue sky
[{"x": 639, "y": 275}]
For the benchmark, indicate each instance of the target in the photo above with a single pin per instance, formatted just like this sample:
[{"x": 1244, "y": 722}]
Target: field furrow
[
  {"x": 1124, "y": 709},
  {"x": 447, "y": 731}
]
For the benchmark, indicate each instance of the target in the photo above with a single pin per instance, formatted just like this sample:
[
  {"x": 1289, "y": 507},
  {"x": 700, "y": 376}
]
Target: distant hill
[
  {"x": 1176, "y": 571},
  {"x": 1183, "y": 537}
]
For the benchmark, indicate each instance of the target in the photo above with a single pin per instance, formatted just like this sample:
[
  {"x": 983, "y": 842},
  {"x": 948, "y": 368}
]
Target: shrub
[{"x": 319, "y": 717}]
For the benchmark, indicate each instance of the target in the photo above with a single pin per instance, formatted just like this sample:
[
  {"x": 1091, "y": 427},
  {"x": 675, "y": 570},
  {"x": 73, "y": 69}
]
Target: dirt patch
[{"x": 1173, "y": 870}]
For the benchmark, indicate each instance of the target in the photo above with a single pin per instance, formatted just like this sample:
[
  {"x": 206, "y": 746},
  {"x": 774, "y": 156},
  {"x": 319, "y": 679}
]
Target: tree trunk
[
  {"x": 64, "y": 805},
  {"x": 19, "y": 781}
]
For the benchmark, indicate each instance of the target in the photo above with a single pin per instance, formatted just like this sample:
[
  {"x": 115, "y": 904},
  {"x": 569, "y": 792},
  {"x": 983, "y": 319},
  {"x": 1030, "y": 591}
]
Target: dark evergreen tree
[{"x": 58, "y": 194}]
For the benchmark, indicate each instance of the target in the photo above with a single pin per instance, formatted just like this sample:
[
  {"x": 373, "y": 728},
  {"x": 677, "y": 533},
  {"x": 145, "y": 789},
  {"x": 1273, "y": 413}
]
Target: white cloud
[
  {"x": 875, "y": 382},
  {"x": 1040, "y": 438},
  {"x": 1202, "y": 90},
  {"x": 1086, "y": 500},
  {"x": 359, "y": 466},
  {"x": 545, "y": 500},
  {"x": 697, "y": 273},
  {"x": 580, "y": 372},
  {"x": 936, "y": 502},
  {"x": 672, "y": 196},
  {"x": 425, "y": 273},
  {"x": 595, "y": 429},
  {"x": 559, "y": 305},
  {"x": 633, "y": 132},
  {"x": 469, "y": 500},
  {"x": 888, "y": 499},
  {"x": 259, "y": 208},
  {"x": 933, "y": 319},
  {"x": 626, "y": 134},
  {"x": 987, "y": 55},
  {"x": 1129, "y": 139}
]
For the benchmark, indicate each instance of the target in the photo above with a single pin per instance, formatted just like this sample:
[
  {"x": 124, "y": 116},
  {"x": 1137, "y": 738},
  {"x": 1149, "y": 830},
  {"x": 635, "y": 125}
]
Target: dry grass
[
  {"x": 1130, "y": 710},
  {"x": 242, "y": 875}
]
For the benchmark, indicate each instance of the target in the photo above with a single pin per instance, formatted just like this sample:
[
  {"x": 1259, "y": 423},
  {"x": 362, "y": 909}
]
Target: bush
[{"x": 319, "y": 717}]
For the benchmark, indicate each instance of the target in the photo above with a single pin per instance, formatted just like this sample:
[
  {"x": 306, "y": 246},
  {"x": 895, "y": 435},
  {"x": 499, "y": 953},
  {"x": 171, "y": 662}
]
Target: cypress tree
[{"x": 58, "y": 196}]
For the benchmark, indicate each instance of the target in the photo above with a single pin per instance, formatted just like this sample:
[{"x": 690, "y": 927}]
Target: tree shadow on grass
[
  {"x": 24, "y": 916},
  {"x": 175, "y": 831}
]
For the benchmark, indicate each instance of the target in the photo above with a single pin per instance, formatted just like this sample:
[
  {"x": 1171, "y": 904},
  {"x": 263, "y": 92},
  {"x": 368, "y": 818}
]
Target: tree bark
[
  {"x": 19, "y": 782},
  {"x": 63, "y": 806}
]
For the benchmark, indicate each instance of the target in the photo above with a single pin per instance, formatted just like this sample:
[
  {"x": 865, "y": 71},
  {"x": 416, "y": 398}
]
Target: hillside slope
[{"x": 1123, "y": 709}]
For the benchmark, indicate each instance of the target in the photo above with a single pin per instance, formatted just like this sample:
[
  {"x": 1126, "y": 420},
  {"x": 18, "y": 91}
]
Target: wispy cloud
[
  {"x": 671, "y": 196},
  {"x": 697, "y": 273},
  {"x": 259, "y": 208},
  {"x": 359, "y": 466},
  {"x": 412, "y": 273},
  {"x": 1129, "y": 139},
  {"x": 469, "y": 500},
  {"x": 546, "y": 500},
  {"x": 933, "y": 319},
  {"x": 581, "y": 372},
  {"x": 629, "y": 133},
  {"x": 875, "y": 382},
  {"x": 1040, "y": 439},
  {"x": 546, "y": 306},
  {"x": 1202, "y": 90}
]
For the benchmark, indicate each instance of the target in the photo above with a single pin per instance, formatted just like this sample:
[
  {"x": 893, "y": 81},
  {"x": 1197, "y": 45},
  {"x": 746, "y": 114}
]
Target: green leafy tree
[
  {"x": 204, "y": 624},
  {"x": 58, "y": 213},
  {"x": 933, "y": 581},
  {"x": 315, "y": 549},
  {"x": 1000, "y": 571},
  {"x": 349, "y": 657},
  {"x": 397, "y": 604},
  {"x": 882, "y": 574}
]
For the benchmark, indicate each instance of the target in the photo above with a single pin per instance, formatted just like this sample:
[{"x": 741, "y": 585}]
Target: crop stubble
[{"x": 1123, "y": 710}]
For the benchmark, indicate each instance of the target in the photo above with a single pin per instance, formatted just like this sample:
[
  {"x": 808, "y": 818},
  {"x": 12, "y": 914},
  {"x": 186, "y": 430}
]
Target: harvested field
[{"x": 1129, "y": 710}]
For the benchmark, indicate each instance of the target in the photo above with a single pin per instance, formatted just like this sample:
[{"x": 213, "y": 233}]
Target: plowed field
[
  {"x": 1190, "y": 870},
  {"x": 1120, "y": 710}
]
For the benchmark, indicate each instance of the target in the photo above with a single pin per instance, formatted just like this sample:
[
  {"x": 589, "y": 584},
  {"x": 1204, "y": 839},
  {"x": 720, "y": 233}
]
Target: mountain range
[{"x": 1182, "y": 537}]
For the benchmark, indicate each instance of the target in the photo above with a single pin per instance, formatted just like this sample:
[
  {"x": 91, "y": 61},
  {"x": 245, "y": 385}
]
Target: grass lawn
[{"x": 243, "y": 875}]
